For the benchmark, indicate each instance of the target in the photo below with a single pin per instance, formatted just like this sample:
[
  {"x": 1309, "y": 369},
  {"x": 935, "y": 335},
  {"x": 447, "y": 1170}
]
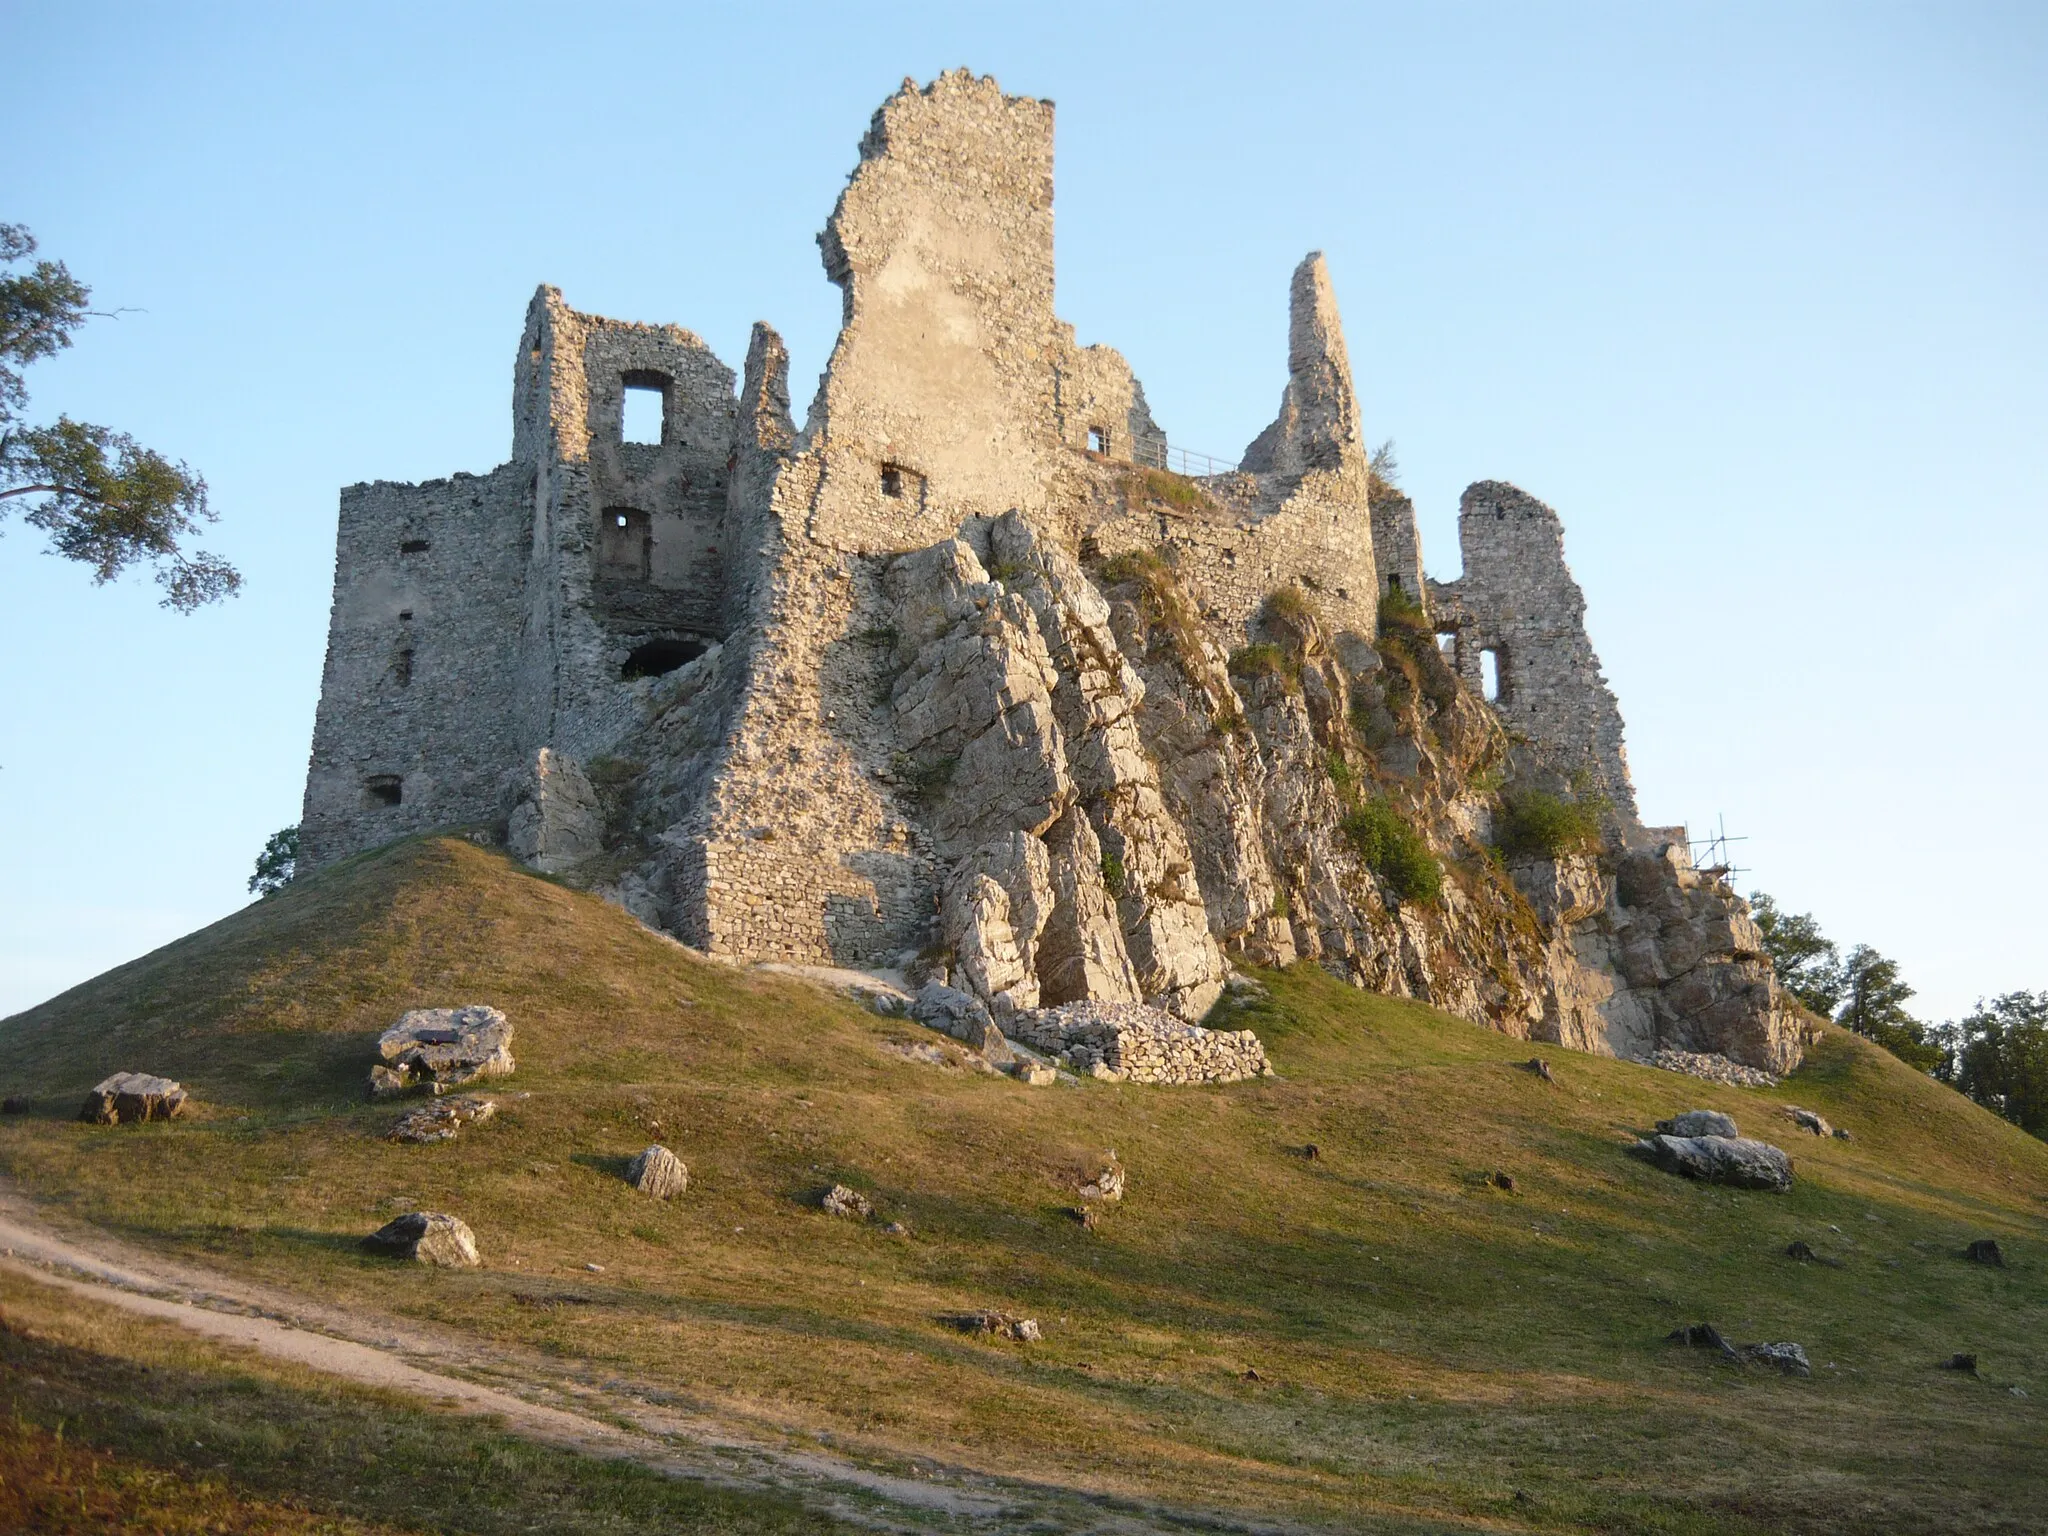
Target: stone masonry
[{"x": 956, "y": 677}]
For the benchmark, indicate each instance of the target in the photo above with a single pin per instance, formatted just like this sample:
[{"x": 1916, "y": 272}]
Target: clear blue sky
[{"x": 1754, "y": 294}]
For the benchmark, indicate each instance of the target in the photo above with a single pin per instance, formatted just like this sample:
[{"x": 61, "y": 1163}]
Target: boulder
[
  {"x": 448, "y": 1047},
  {"x": 841, "y": 1201},
  {"x": 658, "y": 1172},
  {"x": 1732, "y": 1160},
  {"x": 999, "y": 1325},
  {"x": 1807, "y": 1120},
  {"x": 440, "y": 1120},
  {"x": 1985, "y": 1250},
  {"x": 1703, "y": 1336},
  {"x": 1699, "y": 1122},
  {"x": 962, "y": 1015},
  {"x": 389, "y": 1082},
  {"x": 425, "y": 1237},
  {"x": 129, "y": 1097},
  {"x": 1033, "y": 1074}
]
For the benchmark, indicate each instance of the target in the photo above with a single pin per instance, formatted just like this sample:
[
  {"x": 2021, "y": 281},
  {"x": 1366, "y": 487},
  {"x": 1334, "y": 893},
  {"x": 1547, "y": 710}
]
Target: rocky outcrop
[{"x": 442, "y": 1120}]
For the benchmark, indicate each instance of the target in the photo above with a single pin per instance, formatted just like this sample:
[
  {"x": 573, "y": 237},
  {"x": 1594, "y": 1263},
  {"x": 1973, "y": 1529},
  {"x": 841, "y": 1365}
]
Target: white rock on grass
[
  {"x": 1699, "y": 1122},
  {"x": 658, "y": 1172},
  {"x": 440, "y": 1120},
  {"x": 841, "y": 1201},
  {"x": 426, "y": 1237}
]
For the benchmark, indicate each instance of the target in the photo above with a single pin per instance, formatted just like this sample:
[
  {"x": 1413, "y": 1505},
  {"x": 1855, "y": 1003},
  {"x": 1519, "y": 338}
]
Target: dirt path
[{"x": 375, "y": 1352}]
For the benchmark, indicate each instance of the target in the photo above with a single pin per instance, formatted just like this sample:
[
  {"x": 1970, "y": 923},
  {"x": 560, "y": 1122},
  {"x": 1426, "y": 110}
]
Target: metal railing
[{"x": 1179, "y": 461}]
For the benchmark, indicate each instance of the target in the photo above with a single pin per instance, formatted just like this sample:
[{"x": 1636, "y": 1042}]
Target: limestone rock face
[
  {"x": 557, "y": 823},
  {"x": 962, "y": 1015},
  {"x": 1735, "y": 1160},
  {"x": 448, "y": 1046},
  {"x": 128, "y": 1098},
  {"x": 426, "y": 1237},
  {"x": 659, "y": 1173}
]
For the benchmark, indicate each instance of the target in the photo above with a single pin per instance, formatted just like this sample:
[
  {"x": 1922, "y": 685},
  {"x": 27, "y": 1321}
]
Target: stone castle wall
[{"x": 854, "y": 693}]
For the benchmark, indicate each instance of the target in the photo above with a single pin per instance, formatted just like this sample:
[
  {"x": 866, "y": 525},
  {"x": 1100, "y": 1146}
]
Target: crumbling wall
[
  {"x": 412, "y": 730},
  {"x": 1101, "y": 405},
  {"x": 1397, "y": 544},
  {"x": 1518, "y": 599}
]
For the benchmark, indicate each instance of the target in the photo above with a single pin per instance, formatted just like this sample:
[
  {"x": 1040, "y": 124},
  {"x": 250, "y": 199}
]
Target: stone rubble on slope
[{"x": 441, "y": 1120}]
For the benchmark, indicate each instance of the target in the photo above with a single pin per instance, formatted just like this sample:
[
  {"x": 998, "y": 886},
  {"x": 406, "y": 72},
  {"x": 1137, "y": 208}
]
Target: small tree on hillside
[
  {"x": 1998, "y": 1056},
  {"x": 1873, "y": 1005},
  {"x": 1807, "y": 962},
  {"x": 277, "y": 863},
  {"x": 104, "y": 499}
]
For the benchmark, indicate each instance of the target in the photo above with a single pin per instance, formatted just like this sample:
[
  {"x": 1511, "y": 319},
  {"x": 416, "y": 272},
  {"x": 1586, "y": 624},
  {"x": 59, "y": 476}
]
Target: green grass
[
  {"x": 1535, "y": 823},
  {"x": 1426, "y": 1345}
]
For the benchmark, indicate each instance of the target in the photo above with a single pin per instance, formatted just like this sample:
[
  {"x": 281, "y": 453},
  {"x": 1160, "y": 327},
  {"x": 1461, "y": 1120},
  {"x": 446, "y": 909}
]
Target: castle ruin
[{"x": 960, "y": 674}]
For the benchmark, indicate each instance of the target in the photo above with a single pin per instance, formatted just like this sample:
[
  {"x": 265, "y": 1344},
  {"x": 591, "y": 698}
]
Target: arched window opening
[
  {"x": 383, "y": 790},
  {"x": 658, "y": 658}
]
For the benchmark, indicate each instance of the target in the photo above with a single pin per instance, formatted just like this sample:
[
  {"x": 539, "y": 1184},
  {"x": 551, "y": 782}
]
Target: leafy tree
[
  {"x": 1807, "y": 962},
  {"x": 277, "y": 863},
  {"x": 103, "y": 499},
  {"x": 1383, "y": 471},
  {"x": 1998, "y": 1056},
  {"x": 1873, "y": 1005}
]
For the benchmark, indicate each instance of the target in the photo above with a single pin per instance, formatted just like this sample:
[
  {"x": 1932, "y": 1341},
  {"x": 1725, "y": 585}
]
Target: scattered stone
[
  {"x": 595, "y": 1269},
  {"x": 1107, "y": 1184},
  {"x": 1502, "y": 1180},
  {"x": 1312, "y": 1152},
  {"x": 841, "y": 1201},
  {"x": 425, "y": 1237},
  {"x": 446, "y": 1047},
  {"x": 441, "y": 1120},
  {"x": 1985, "y": 1250},
  {"x": 13, "y": 1105},
  {"x": 1540, "y": 1067},
  {"x": 1699, "y": 1122},
  {"x": 1089, "y": 1216},
  {"x": 128, "y": 1098},
  {"x": 1807, "y": 1120},
  {"x": 1789, "y": 1358},
  {"x": 999, "y": 1325},
  {"x": 1711, "y": 1068},
  {"x": 1842, "y": 1135},
  {"x": 389, "y": 1082},
  {"x": 1798, "y": 1250},
  {"x": 1252, "y": 1374},
  {"x": 658, "y": 1172},
  {"x": 1732, "y": 1160},
  {"x": 1959, "y": 1362},
  {"x": 1035, "y": 1074},
  {"x": 896, "y": 1229}
]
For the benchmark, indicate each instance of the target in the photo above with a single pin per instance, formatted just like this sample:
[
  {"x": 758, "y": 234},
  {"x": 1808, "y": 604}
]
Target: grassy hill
[{"x": 1430, "y": 1351}]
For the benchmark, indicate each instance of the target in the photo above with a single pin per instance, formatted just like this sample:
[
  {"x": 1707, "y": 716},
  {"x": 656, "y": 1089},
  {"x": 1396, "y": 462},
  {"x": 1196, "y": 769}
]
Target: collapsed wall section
[{"x": 1518, "y": 601}]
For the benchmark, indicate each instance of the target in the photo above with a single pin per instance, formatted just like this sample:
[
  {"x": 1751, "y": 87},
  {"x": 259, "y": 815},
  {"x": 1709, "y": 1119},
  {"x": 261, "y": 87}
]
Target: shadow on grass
[{"x": 604, "y": 1163}]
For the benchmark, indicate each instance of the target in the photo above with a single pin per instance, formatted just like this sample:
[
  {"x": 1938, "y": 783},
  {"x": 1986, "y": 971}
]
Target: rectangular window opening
[
  {"x": 641, "y": 415},
  {"x": 892, "y": 482},
  {"x": 414, "y": 547},
  {"x": 1490, "y": 688},
  {"x": 384, "y": 789},
  {"x": 1098, "y": 439},
  {"x": 625, "y": 542}
]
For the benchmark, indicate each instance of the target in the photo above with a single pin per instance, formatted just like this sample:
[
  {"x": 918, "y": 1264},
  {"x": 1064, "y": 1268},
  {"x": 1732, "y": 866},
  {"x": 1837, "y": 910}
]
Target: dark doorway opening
[{"x": 657, "y": 658}]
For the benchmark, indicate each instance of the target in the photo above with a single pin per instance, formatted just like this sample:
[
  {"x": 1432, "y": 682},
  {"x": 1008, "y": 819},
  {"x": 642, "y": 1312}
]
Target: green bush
[
  {"x": 1394, "y": 850},
  {"x": 1287, "y": 605},
  {"x": 1113, "y": 875},
  {"x": 1542, "y": 825},
  {"x": 1265, "y": 659}
]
